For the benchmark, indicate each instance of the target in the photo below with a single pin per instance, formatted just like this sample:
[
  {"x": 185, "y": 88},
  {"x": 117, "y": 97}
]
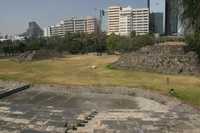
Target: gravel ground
[{"x": 49, "y": 108}]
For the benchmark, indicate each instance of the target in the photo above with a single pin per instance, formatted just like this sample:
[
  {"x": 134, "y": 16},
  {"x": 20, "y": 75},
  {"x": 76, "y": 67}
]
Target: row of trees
[
  {"x": 79, "y": 43},
  {"x": 127, "y": 44},
  {"x": 72, "y": 43}
]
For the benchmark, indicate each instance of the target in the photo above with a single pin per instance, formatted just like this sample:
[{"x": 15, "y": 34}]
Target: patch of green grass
[
  {"x": 109, "y": 66},
  {"x": 76, "y": 70}
]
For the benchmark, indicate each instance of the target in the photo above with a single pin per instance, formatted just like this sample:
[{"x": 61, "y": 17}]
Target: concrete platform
[{"x": 39, "y": 110}]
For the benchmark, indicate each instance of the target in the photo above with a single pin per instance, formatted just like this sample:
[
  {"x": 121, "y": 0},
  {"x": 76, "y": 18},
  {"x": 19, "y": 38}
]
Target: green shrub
[{"x": 109, "y": 66}]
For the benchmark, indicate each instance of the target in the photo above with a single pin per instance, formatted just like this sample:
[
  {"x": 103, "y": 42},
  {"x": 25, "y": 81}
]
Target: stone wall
[
  {"x": 169, "y": 59},
  {"x": 38, "y": 55}
]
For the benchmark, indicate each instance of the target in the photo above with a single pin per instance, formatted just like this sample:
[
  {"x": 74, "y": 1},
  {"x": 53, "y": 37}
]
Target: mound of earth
[
  {"x": 168, "y": 59},
  {"x": 38, "y": 55}
]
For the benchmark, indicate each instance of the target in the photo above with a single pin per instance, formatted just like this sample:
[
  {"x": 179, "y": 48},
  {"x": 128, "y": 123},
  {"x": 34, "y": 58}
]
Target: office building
[
  {"x": 113, "y": 19},
  {"x": 47, "y": 31},
  {"x": 56, "y": 30},
  {"x": 156, "y": 22},
  {"x": 172, "y": 17},
  {"x": 91, "y": 25},
  {"x": 73, "y": 25},
  {"x": 141, "y": 21},
  {"x": 122, "y": 21},
  {"x": 80, "y": 25},
  {"x": 126, "y": 21},
  {"x": 69, "y": 25}
]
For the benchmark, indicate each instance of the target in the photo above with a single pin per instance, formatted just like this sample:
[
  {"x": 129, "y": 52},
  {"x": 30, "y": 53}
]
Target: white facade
[
  {"x": 47, "y": 31},
  {"x": 73, "y": 25},
  {"x": 91, "y": 25},
  {"x": 113, "y": 19},
  {"x": 126, "y": 21},
  {"x": 122, "y": 21},
  {"x": 57, "y": 30},
  {"x": 80, "y": 25},
  {"x": 141, "y": 21}
]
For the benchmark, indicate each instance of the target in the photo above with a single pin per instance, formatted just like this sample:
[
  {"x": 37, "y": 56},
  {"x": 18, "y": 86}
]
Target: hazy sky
[{"x": 15, "y": 14}]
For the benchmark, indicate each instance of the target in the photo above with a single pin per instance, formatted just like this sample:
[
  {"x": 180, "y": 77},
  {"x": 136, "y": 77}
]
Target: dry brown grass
[{"x": 76, "y": 70}]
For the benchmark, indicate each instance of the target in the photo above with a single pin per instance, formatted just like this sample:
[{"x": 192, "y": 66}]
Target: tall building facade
[
  {"x": 113, "y": 19},
  {"x": 172, "y": 17},
  {"x": 156, "y": 22},
  {"x": 73, "y": 25},
  {"x": 148, "y": 4},
  {"x": 126, "y": 21},
  {"x": 91, "y": 25},
  {"x": 123, "y": 21},
  {"x": 141, "y": 21}
]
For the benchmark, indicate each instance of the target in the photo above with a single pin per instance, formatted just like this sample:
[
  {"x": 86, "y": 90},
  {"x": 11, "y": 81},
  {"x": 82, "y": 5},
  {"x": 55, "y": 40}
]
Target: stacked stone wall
[{"x": 169, "y": 59}]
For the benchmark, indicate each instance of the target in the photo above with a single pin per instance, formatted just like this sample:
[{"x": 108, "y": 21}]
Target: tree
[
  {"x": 191, "y": 17},
  {"x": 133, "y": 34},
  {"x": 191, "y": 14},
  {"x": 124, "y": 44},
  {"x": 112, "y": 43},
  {"x": 21, "y": 47}
]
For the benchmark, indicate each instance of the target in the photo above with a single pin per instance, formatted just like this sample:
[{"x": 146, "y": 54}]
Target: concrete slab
[{"x": 39, "y": 110}]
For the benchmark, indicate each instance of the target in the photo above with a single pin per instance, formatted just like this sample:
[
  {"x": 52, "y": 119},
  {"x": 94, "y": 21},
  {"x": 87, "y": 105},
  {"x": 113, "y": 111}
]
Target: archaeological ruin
[{"x": 165, "y": 58}]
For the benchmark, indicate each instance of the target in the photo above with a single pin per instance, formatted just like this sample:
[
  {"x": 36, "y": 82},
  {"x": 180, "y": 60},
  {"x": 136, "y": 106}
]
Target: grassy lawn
[{"x": 76, "y": 70}]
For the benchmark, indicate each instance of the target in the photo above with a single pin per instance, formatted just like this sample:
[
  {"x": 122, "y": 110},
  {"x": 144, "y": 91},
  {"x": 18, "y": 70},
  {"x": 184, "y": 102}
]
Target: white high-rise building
[
  {"x": 113, "y": 19},
  {"x": 57, "y": 30},
  {"x": 122, "y": 21},
  {"x": 126, "y": 21},
  {"x": 141, "y": 21},
  {"x": 73, "y": 25},
  {"x": 91, "y": 24}
]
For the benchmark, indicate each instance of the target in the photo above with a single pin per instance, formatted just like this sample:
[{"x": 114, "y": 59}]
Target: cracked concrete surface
[{"x": 43, "y": 109}]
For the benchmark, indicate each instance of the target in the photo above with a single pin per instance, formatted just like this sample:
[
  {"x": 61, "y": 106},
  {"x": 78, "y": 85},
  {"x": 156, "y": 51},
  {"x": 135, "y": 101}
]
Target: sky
[{"x": 15, "y": 14}]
